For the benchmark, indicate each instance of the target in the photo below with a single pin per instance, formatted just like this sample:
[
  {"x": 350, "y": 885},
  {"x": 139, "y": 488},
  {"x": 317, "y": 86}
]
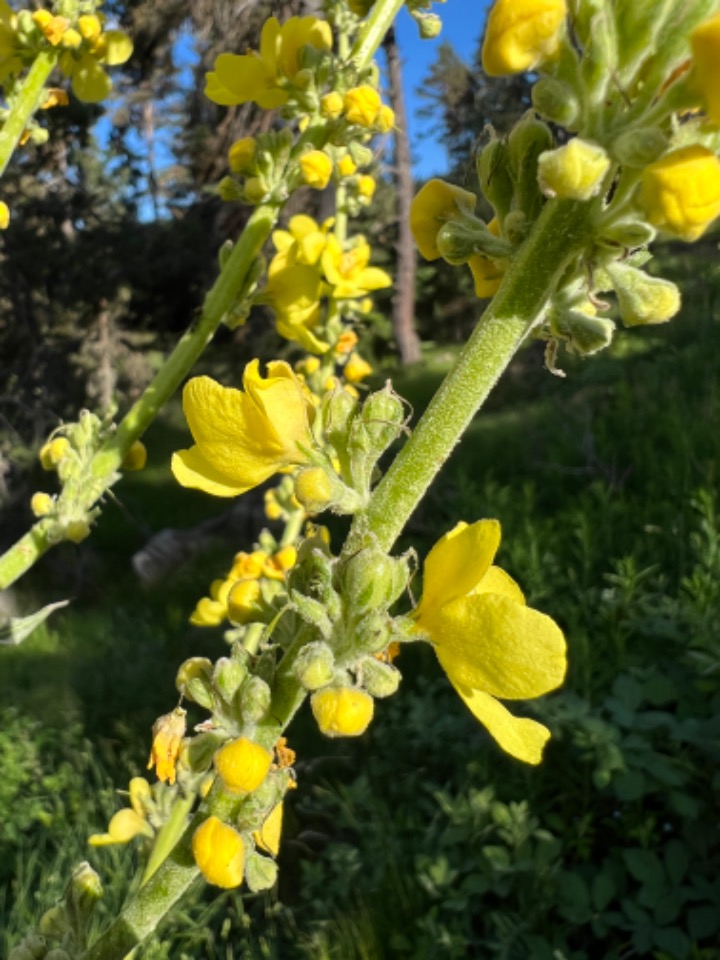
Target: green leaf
[
  {"x": 677, "y": 859},
  {"x": 644, "y": 865},
  {"x": 703, "y": 922},
  {"x": 603, "y": 890},
  {"x": 630, "y": 786},
  {"x": 673, "y": 941},
  {"x": 18, "y": 629}
]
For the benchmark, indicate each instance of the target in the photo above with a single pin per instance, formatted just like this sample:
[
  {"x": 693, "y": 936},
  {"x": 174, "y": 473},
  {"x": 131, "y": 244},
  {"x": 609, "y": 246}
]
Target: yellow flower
[
  {"x": 490, "y": 644},
  {"x": 262, "y": 77},
  {"x": 90, "y": 82},
  {"x": 385, "y": 119},
  {"x": 342, "y": 711},
  {"x": 348, "y": 271},
  {"x": 123, "y": 827},
  {"x": 242, "y": 765},
  {"x": 346, "y": 342},
  {"x": 208, "y": 613},
  {"x": 268, "y": 836},
  {"x": 433, "y": 206},
  {"x": 54, "y": 97},
  {"x": 574, "y": 171},
  {"x": 705, "y": 43},
  {"x": 219, "y": 854},
  {"x": 331, "y": 105},
  {"x": 41, "y": 504},
  {"x": 680, "y": 192},
  {"x": 90, "y": 27},
  {"x": 52, "y": 27},
  {"x": 241, "y": 155},
  {"x": 356, "y": 369},
  {"x": 521, "y": 34},
  {"x": 347, "y": 166},
  {"x": 366, "y": 186},
  {"x": 4, "y": 215},
  {"x": 486, "y": 274},
  {"x": 245, "y": 601},
  {"x": 362, "y": 105},
  {"x": 168, "y": 732},
  {"x": 242, "y": 438},
  {"x": 316, "y": 169}
]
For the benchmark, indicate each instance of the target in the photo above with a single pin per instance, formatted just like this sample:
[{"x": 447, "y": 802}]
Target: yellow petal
[
  {"x": 522, "y": 738},
  {"x": 268, "y": 836},
  {"x": 491, "y": 643},
  {"x": 90, "y": 83},
  {"x": 118, "y": 48},
  {"x": 283, "y": 400},
  {"x": 192, "y": 470},
  {"x": 217, "y": 92},
  {"x": 456, "y": 564},
  {"x": 497, "y": 581}
]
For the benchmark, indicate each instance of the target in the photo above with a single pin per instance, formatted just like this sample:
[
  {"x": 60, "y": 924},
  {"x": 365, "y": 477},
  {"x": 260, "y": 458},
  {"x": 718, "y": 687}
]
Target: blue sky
[{"x": 463, "y": 22}]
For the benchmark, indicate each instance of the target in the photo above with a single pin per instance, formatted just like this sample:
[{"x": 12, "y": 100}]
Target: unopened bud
[
  {"x": 245, "y": 603},
  {"x": 639, "y": 148},
  {"x": 54, "y": 922},
  {"x": 136, "y": 457},
  {"x": 314, "y": 489},
  {"x": 527, "y": 140},
  {"x": 241, "y": 155},
  {"x": 331, "y": 105},
  {"x": 255, "y": 699},
  {"x": 192, "y": 669},
  {"x": 575, "y": 171},
  {"x": 380, "y": 679},
  {"x": 77, "y": 530},
  {"x": 494, "y": 176},
  {"x": 260, "y": 872},
  {"x": 584, "y": 333},
  {"x": 315, "y": 665},
  {"x": 242, "y": 765},
  {"x": 556, "y": 101},
  {"x": 228, "y": 676},
  {"x": 256, "y": 189},
  {"x": 229, "y": 190},
  {"x": 643, "y": 299},
  {"x": 41, "y": 504},
  {"x": 342, "y": 711},
  {"x": 429, "y": 25}
]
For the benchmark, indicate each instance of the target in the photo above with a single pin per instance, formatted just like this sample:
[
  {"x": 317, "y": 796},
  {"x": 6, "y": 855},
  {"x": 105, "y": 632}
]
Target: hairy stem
[{"x": 25, "y": 104}]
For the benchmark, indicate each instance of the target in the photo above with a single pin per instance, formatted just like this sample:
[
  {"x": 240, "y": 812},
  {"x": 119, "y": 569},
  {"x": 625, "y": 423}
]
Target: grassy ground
[{"x": 422, "y": 840}]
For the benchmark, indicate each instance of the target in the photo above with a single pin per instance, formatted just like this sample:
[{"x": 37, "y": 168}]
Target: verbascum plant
[{"x": 633, "y": 86}]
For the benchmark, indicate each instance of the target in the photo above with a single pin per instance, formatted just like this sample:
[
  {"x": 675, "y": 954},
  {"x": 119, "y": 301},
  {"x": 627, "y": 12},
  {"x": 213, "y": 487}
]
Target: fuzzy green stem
[
  {"x": 25, "y": 104},
  {"x": 561, "y": 232},
  {"x": 23, "y": 554},
  {"x": 374, "y": 29}
]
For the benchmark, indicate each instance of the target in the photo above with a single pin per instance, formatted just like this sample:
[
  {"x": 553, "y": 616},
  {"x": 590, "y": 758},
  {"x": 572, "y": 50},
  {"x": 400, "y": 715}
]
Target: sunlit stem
[
  {"x": 25, "y": 104},
  {"x": 560, "y": 234},
  {"x": 374, "y": 29}
]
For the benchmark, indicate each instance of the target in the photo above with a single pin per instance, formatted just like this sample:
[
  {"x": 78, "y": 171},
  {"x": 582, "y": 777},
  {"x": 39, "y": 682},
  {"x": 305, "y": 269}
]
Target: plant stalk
[{"x": 26, "y": 103}]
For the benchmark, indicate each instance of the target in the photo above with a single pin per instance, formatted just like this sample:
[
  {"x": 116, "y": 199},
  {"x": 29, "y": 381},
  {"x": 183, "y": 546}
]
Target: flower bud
[
  {"x": 331, "y": 105},
  {"x": 315, "y": 665},
  {"x": 241, "y": 155},
  {"x": 314, "y": 489},
  {"x": 53, "y": 452},
  {"x": 363, "y": 156},
  {"x": 255, "y": 699},
  {"x": 437, "y": 203},
  {"x": 380, "y": 679},
  {"x": 556, "y": 101},
  {"x": 228, "y": 676},
  {"x": 83, "y": 892},
  {"x": 41, "y": 504},
  {"x": 77, "y": 530},
  {"x": 362, "y": 105},
  {"x": 385, "y": 119},
  {"x": 219, "y": 853},
  {"x": 371, "y": 580},
  {"x": 316, "y": 169},
  {"x": 229, "y": 190},
  {"x": 575, "y": 171},
  {"x": 260, "y": 872},
  {"x": 366, "y": 187},
  {"x": 429, "y": 25},
  {"x": 90, "y": 27},
  {"x": 629, "y": 232},
  {"x": 192, "y": 669},
  {"x": 342, "y": 711},
  {"x": 522, "y": 34},
  {"x": 680, "y": 192},
  {"x": 527, "y": 140},
  {"x": 54, "y": 922},
  {"x": 639, "y": 147},
  {"x": 382, "y": 416},
  {"x": 242, "y": 765},
  {"x": 245, "y": 603},
  {"x": 136, "y": 457},
  {"x": 256, "y": 189},
  {"x": 643, "y": 299},
  {"x": 584, "y": 333},
  {"x": 346, "y": 166},
  {"x": 339, "y": 410}
]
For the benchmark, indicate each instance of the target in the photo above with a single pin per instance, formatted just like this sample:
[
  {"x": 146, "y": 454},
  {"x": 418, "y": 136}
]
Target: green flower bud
[
  {"x": 600, "y": 55},
  {"x": 575, "y": 171},
  {"x": 229, "y": 190},
  {"x": 21, "y": 952},
  {"x": 382, "y": 416},
  {"x": 429, "y": 24},
  {"x": 494, "y": 176},
  {"x": 35, "y": 945},
  {"x": 380, "y": 679},
  {"x": 260, "y": 872},
  {"x": 54, "y": 923},
  {"x": 371, "y": 580},
  {"x": 256, "y": 189},
  {"x": 556, "y": 101},
  {"x": 315, "y": 665},
  {"x": 516, "y": 226},
  {"x": 189, "y": 670},
  {"x": 458, "y": 240},
  {"x": 314, "y": 489},
  {"x": 639, "y": 147},
  {"x": 643, "y": 299},
  {"x": 362, "y": 156},
  {"x": 338, "y": 411},
  {"x": 255, "y": 699},
  {"x": 312, "y": 611},
  {"x": 197, "y": 752},
  {"x": 228, "y": 677},
  {"x": 584, "y": 333},
  {"x": 77, "y": 530},
  {"x": 83, "y": 892},
  {"x": 528, "y": 139},
  {"x": 199, "y": 690},
  {"x": 630, "y": 232}
]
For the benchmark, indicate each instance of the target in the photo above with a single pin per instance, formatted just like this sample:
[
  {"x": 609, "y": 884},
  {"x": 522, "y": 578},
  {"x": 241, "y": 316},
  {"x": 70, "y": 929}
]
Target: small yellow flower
[
  {"x": 356, "y": 369},
  {"x": 90, "y": 27},
  {"x": 41, "y": 504},
  {"x": 219, "y": 854},
  {"x": 71, "y": 40},
  {"x": 261, "y": 76},
  {"x": 52, "y": 27},
  {"x": 208, "y": 613},
  {"x": 385, "y": 119},
  {"x": 241, "y": 155},
  {"x": 136, "y": 457},
  {"x": 273, "y": 510},
  {"x": 362, "y": 105},
  {"x": 348, "y": 271},
  {"x": 242, "y": 438},
  {"x": 242, "y": 765},
  {"x": 279, "y": 563},
  {"x": 521, "y": 34},
  {"x": 347, "y": 166},
  {"x": 54, "y": 97},
  {"x": 248, "y": 566},
  {"x": 316, "y": 169},
  {"x": 331, "y": 105},
  {"x": 124, "y": 826},
  {"x": 680, "y": 192},
  {"x": 705, "y": 43},
  {"x": 490, "y": 644},
  {"x": 342, "y": 712},
  {"x": 268, "y": 836},
  {"x": 366, "y": 186},
  {"x": 313, "y": 489},
  {"x": 575, "y": 171},
  {"x": 434, "y": 205},
  {"x": 168, "y": 732},
  {"x": 4, "y": 215},
  {"x": 346, "y": 342},
  {"x": 487, "y": 275},
  {"x": 244, "y": 601}
]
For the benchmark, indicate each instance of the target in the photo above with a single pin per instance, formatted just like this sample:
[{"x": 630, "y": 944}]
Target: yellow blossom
[
  {"x": 54, "y": 97},
  {"x": 331, "y": 105},
  {"x": 4, "y": 215},
  {"x": 241, "y": 155},
  {"x": 41, "y": 504},
  {"x": 90, "y": 27},
  {"x": 366, "y": 186},
  {"x": 362, "y": 105},
  {"x": 313, "y": 489},
  {"x": 385, "y": 119},
  {"x": 208, "y": 613},
  {"x": 346, "y": 342},
  {"x": 348, "y": 271},
  {"x": 262, "y": 76},
  {"x": 705, "y": 43},
  {"x": 347, "y": 166},
  {"x": 219, "y": 854},
  {"x": 168, "y": 732},
  {"x": 242, "y": 765},
  {"x": 342, "y": 711},
  {"x": 243, "y": 437},
  {"x": 248, "y": 566},
  {"x": 433, "y": 206},
  {"x": 276, "y": 566},
  {"x": 575, "y": 171},
  {"x": 490, "y": 644},
  {"x": 680, "y": 192},
  {"x": 244, "y": 601},
  {"x": 273, "y": 510},
  {"x": 356, "y": 369},
  {"x": 316, "y": 169},
  {"x": 52, "y": 27},
  {"x": 521, "y": 34},
  {"x": 268, "y": 836},
  {"x": 124, "y": 826},
  {"x": 71, "y": 39},
  {"x": 90, "y": 82}
]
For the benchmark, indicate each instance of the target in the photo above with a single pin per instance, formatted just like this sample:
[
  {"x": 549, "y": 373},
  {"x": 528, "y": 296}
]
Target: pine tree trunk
[{"x": 404, "y": 300}]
